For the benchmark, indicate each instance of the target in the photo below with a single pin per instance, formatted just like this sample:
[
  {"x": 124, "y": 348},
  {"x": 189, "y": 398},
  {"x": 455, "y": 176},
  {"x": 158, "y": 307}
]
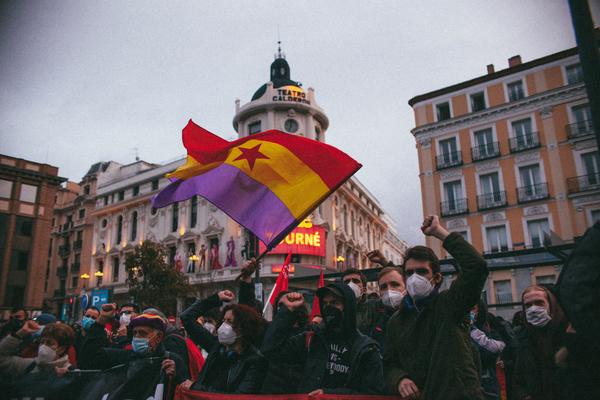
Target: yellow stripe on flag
[
  {"x": 192, "y": 168},
  {"x": 292, "y": 181}
]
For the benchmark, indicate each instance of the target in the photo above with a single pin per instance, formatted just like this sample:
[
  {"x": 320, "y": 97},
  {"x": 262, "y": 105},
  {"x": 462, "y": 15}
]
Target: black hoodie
[{"x": 344, "y": 363}]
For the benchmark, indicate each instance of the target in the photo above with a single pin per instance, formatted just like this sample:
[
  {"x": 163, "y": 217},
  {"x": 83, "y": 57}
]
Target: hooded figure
[
  {"x": 536, "y": 375},
  {"x": 335, "y": 357}
]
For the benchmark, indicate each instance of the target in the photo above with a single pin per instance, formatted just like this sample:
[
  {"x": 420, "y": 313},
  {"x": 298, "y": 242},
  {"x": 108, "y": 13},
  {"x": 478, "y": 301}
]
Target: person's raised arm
[
  {"x": 246, "y": 288},
  {"x": 278, "y": 342},
  {"x": 189, "y": 317}
]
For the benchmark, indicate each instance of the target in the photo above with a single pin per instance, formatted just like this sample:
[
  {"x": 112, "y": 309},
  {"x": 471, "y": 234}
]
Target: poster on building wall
[{"x": 306, "y": 239}]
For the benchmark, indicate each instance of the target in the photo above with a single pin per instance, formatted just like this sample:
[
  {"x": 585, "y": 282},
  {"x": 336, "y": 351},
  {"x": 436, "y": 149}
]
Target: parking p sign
[{"x": 99, "y": 297}]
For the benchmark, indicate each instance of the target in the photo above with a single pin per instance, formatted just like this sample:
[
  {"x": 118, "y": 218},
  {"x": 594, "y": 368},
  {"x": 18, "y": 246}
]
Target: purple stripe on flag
[{"x": 245, "y": 200}]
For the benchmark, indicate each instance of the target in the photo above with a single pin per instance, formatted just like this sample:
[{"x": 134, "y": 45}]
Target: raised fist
[
  {"x": 29, "y": 327},
  {"x": 432, "y": 227},
  {"x": 293, "y": 300},
  {"x": 226, "y": 296},
  {"x": 248, "y": 269},
  {"x": 376, "y": 257}
]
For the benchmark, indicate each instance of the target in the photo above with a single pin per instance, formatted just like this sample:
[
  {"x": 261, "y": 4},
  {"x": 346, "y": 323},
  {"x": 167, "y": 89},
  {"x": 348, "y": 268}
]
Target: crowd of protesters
[{"x": 410, "y": 338}]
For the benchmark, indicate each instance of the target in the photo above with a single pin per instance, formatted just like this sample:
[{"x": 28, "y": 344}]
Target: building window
[
  {"x": 172, "y": 254},
  {"x": 582, "y": 125},
  {"x": 523, "y": 136},
  {"x": 24, "y": 226},
  {"x": 595, "y": 215},
  {"x": 291, "y": 125},
  {"x": 134, "y": 219},
  {"x": 153, "y": 211},
  {"x": 175, "y": 217},
  {"x": 105, "y": 200},
  {"x": 82, "y": 213},
  {"x": 6, "y": 189},
  {"x": 194, "y": 212},
  {"x": 491, "y": 196},
  {"x": 442, "y": 111},
  {"x": 104, "y": 223},
  {"x": 86, "y": 189},
  {"x": 538, "y": 229},
  {"x": 254, "y": 127},
  {"x": 545, "y": 279},
  {"x": 574, "y": 74},
  {"x": 155, "y": 184},
  {"x": 503, "y": 291},
  {"x": 115, "y": 269},
  {"x": 485, "y": 147},
  {"x": 497, "y": 240},
  {"x": 454, "y": 203},
  {"x": 119, "y": 229},
  {"x": 121, "y": 195},
  {"x": 79, "y": 235},
  {"x": 477, "y": 101},
  {"x": 449, "y": 155},
  {"x": 28, "y": 193},
  {"x": 515, "y": 90},
  {"x": 19, "y": 260},
  {"x": 591, "y": 170},
  {"x": 532, "y": 186},
  {"x": 74, "y": 281},
  {"x": 136, "y": 191}
]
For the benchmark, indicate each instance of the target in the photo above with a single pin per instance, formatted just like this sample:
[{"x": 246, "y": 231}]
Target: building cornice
[{"x": 506, "y": 110}]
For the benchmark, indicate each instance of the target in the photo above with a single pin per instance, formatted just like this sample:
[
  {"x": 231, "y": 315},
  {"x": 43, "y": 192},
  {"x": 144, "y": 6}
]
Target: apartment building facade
[
  {"x": 509, "y": 160},
  {"x": 27, "y": 191}
]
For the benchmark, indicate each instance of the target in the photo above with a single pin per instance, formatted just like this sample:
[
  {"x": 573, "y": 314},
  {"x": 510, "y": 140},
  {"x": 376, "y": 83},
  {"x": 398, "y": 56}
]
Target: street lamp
[{"x": 340, "y": 261}]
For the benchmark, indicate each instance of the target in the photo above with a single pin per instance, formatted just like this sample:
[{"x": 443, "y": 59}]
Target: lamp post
[
  {"x": 340, "y": 262},
  {"x": 98, "y": 275}
]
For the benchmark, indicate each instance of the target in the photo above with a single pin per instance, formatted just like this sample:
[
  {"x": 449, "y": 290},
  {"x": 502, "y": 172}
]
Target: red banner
[
  {"x": 184, "y": 394},
  {"x": 302, "y": 240}
]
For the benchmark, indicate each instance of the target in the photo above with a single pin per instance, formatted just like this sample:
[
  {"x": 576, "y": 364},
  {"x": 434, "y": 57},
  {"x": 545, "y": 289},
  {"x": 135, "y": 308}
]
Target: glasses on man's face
[
  {"x": 419, "y": 271},
  {"x": 353, "y": 280}
]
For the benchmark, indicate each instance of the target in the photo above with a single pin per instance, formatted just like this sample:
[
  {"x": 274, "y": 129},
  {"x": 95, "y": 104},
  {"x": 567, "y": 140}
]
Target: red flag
[
  {"x": 316, "y": 307},
  {"x": 281, "y": 285}
]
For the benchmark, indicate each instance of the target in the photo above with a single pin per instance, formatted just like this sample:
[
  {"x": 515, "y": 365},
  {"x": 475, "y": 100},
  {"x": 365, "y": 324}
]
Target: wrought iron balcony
[
  {"x": 485, "y": 151},
  {"x": 61, "y": 272},
  {"x": 449, "y": 160},
  {"x": 456, "y": 207},
  {"x": 75, "y": 267},
  {"x": 524, "y": 142},
  {"x": 502, "y": 298},
  {"x": 488, "y": 201},
  {"x": 64, "y": 250},
  {"x": 535, "y": 192},
  {"x": 580, "y": 129},
  {"x": 583, "y": 183}
]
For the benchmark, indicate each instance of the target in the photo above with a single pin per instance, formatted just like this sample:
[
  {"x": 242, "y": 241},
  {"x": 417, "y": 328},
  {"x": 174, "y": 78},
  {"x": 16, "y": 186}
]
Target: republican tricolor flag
[
  {"x": 281, "y": 285},
  {"x": 267, "y": 182}
]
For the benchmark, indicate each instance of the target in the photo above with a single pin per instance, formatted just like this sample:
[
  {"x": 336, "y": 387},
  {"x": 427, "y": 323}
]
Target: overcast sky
[{"x": 84, "y": 81}]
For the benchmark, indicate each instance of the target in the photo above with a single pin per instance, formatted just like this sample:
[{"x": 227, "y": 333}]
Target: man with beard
[{"x": 335, "y": 357}]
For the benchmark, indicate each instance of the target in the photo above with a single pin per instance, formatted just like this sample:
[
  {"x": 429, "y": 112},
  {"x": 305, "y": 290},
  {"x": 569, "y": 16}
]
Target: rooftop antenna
[{"x": 137, "y": 156}]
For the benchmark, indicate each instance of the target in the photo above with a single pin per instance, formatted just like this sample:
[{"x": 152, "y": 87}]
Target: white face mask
[
  {"x": 418, "y": 286},
  {"x": 537, "y": 316},
  {"x": 356, "y": 289},
  {"x": 210, "y": 327},
  {"x": 45, "y": 354},
  {"x": 124, "y": 319},
  {"x": 226, "y": 334},
  {"x": 392, "y": 298}
]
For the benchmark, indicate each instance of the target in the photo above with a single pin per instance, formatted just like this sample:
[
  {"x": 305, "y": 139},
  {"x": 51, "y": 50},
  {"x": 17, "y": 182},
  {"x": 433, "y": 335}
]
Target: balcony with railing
[
  {"x": 449, "y": 160},
  {"x": 75, "y": 267},
  {"x": 455, "y": 207},
  {"x": 503, "y": 298},
  {"x": 535, "y": 192},
  {"x": 64, "y": 250},
  {"x": 583, "y": 183},
  {"x": 524, "y": 142},
  {"x": 61, "y": 272},
  {"x": 77, "y": 245},
  {"x": 485, "y": 151},
  {"x": 488, "y": 201},
  {"x": 580, "y": 129}
]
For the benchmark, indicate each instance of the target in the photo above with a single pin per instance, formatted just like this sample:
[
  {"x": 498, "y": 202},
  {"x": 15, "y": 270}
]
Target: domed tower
[{"x": 281, "y": 104}]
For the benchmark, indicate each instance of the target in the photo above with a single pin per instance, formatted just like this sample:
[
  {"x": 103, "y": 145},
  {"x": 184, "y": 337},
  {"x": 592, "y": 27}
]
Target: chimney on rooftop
[
  {"x": 490, "y": 68},
  {"x": 514, "y": 61}
]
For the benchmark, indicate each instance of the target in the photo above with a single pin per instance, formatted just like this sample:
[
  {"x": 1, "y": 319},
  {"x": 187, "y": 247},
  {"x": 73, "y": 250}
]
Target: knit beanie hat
[{"x": 151, "y": 320}]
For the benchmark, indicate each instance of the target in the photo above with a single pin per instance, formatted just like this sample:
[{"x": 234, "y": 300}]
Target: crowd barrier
[{"x": 186, "y": 394}]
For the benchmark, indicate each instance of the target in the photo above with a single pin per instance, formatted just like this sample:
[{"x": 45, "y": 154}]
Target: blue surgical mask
[
  {"x": 140, "y": 345},
  {"x": 87, "y": 322}
]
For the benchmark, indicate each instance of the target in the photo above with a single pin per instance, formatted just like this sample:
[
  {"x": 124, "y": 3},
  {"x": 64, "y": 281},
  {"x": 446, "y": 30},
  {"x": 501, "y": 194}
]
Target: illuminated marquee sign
[
  {"x": 305, "y": 239},
  {"x": 291, "y": 93}
]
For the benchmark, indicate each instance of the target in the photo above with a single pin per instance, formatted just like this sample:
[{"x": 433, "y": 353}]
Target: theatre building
[
  {"x": 203, "y": 242},
  {"x": 509, "y": 160}
]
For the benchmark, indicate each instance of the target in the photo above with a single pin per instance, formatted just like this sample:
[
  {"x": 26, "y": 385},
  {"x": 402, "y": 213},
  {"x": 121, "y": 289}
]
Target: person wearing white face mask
[
  {"x": 536, "y": 375},
  {"x": 234, "y": 364},
  {"x": 427, "y": 352},
  {"x": 52, "y": 353}
]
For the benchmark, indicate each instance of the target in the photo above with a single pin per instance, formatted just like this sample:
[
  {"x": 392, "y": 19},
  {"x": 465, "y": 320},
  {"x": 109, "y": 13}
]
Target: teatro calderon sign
[
  {"x": 291, "y": 93},
  {"x": 305, "y": 239}
]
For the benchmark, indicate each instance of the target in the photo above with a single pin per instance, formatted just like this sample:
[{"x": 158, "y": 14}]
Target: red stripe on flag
[{"x": 282, "y": 283}]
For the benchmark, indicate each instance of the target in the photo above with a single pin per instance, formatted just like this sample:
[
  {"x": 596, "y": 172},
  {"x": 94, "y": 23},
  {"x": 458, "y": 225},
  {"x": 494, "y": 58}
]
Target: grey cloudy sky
[{"x": 83, "y": 81}]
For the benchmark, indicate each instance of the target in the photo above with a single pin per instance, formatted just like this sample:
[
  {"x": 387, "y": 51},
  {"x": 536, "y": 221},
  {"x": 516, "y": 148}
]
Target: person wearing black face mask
[{"x": 335, "y": 357}]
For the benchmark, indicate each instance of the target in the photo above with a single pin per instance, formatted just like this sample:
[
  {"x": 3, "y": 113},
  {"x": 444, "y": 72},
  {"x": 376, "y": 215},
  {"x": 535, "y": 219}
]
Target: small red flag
[
  {"x": 281, "y": 285},
  {"x": 316, "y": 307}
]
